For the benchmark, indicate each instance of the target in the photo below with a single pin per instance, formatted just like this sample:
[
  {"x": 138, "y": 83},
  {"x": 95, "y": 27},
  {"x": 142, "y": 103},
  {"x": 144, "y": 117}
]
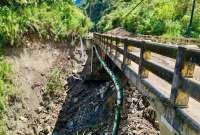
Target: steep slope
[
  {"x": 158, "y": 17},
  {"x": 51, "y": 20},
  {"x": 40, "y": 91}
]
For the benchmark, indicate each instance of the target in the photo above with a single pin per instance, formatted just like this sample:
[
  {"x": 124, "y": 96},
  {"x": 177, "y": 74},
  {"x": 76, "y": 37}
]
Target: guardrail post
[
  {"x": 101, "y": 41},
  {"x": 111, "y": 44},
  {"x": 144, "y": 55},
  {"x": 125, "y": 54},
  {"x": 117, "y": 45},
  {"x": 130, "y": 49},
  {"x": 107, "y": 44},
  {"x": 178, "y": 96},
  {"x": 103, "y": 47},
  {"x": 188, "y": 70},
  {"x": 114, "y": 43}
]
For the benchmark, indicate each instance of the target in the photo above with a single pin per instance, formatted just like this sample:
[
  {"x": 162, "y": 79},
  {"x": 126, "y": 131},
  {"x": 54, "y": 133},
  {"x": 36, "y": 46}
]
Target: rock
[
  {"x": 140, "y": 126},
  {"x": 130, "y": 100},
  {"x": 156, "y": 124},
  {"x": 134, "y": 100},
  {"x": 139, "y": 114},
  {"x": 23, "y": 119},
  {"x": 10, "y": 125},
  {"x": 42, "y": 74},
  {"x": 20, "y": 132},
  {"x": 65, "y": 82},
  {"x": 145, "y": 101},
  {"x": 70, "y": 124},
  {"x": 45, "y": 131},
  {"x": 47, "y": 119},
  {"x": 74, "y": 71},
  {"x": 35, "y": 85},
  {"x": 50, "y": 106},
  {"x": 125, "y": 129},
  {"x": 132, "y": 106},
  {"x": 39, "y": 110},
  {"x": 35, "y": 130},
  {"x": 28, "y": 132},
  {"x": 141, "y": 105},
  {"x": 75, "y": 100},
  {"x": 42, "y": 103},
  {"x": 150, "y": 114}
]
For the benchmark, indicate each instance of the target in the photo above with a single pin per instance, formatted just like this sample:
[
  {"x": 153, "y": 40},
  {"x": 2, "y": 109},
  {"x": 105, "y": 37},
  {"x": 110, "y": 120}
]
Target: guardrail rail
[{"x": 182, "y": 86}]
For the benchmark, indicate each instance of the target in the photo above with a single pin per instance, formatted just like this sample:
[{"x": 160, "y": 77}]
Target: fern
[{"x": 49, "y": 19}]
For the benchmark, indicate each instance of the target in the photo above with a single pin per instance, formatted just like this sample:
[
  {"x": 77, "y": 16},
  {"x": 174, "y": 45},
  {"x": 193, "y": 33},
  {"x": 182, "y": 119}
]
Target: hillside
[
  {"x": 158, "y": 17},
  {"x": 28, "y": 67},
  {"x": 55, "y": 78},
  {"x": 45, "y": 19}
]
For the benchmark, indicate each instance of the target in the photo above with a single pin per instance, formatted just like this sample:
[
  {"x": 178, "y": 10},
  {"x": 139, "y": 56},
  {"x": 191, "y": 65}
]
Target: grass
[
  {"x": 53, "y": 20},
  {"x": 54, "y": 83},
  {"x": 157, "y": 17},
  {"x": 6, "y": 91}
]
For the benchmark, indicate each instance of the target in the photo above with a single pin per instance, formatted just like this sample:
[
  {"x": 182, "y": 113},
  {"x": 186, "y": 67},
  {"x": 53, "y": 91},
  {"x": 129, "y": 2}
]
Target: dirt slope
[
  {"x": 80, "y": 106},
  {"x": 28, "y": 113}
]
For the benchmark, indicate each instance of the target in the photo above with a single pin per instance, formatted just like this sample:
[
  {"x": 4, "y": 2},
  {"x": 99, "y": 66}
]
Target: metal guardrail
[{"x": 182, "y": 84}]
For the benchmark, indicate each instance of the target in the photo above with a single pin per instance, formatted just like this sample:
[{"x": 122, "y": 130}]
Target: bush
[
  {"x": 173, "y": 29},
  {"x": 48, "y": 19},
  {"x": 6, "y": 85},
  {"x": 6, "y": 90},
  {"x": 158, "y": 17},
  {"x": 54, "y": 83}
]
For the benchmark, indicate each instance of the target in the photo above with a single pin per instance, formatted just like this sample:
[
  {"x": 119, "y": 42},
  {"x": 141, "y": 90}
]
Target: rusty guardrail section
[{"x": 182, "y": 84}]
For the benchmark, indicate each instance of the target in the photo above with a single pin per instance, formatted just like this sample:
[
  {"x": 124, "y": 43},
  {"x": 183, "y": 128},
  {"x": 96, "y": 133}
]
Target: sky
[{"x": 77, "y": 1}]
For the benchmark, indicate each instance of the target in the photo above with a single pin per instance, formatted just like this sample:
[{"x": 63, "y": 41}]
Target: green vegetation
[
  {"x": 54, "y": 83},
  {"x": 6, "y": 90},
  {"x": 48, "y": 19},
  {"x": 158, "y": 17},
  {"x": 97, "y": 8}
]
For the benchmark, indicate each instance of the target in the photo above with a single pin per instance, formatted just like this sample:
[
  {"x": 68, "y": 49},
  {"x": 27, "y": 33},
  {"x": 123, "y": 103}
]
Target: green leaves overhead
[
  {"x": 49, "y": 19},
  {"x": 157, "y": 17}
]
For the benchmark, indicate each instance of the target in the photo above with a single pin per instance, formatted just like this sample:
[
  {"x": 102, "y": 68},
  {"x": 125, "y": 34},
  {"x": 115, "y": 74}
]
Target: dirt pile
[{"x": 32, "y": 113}]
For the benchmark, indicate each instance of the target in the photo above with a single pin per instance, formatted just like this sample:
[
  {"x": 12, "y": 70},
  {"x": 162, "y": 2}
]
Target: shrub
[
  {"x": 158, "y": 17},
  {"x": 49, "y": 19},
  {"x": 54, "y": 83},
  {"x": 173, "y": 29},
  {"x": 6, "y": 90}
]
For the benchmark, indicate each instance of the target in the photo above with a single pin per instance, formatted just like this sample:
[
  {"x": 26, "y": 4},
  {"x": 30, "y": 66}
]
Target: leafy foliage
[
  {"x": 50, "y": 19},
  {"x": 6, "y": 90},
  {"x": 54, "y": 83},
  {"x": 6, "y": 85},
  {"x": 97, "y": 8},
  {"x": 158, "y": 17}
]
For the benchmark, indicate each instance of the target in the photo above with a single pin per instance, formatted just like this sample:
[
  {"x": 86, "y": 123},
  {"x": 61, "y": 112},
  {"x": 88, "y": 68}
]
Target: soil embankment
[
  {"x": 30, "y": 112},
  {"x": 79, "y": 107}
]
